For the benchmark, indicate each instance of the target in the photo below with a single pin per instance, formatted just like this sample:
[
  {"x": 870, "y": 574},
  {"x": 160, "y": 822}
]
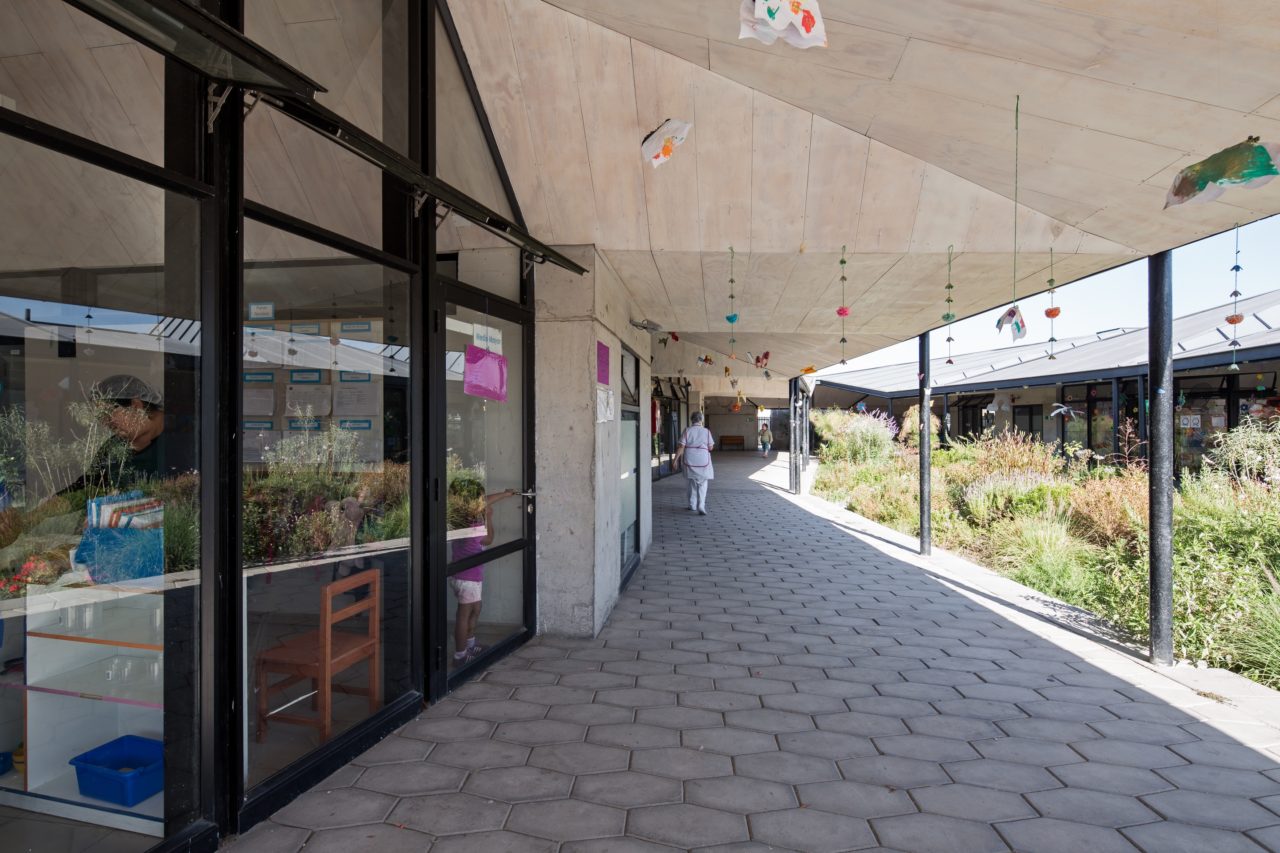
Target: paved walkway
[{"x": 773, "y": 681}]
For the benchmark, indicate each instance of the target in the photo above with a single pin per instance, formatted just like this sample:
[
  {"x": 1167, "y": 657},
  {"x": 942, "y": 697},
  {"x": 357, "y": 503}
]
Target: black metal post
[
  {"x": 793, "y": 389},
  {"x": 1143, "y": 447},
  {"x": 1160, "y": 343},
  {"x": 1115, "y": 419},
  {"x": 944, "y": 426},
  {"x": 926, "y": 447}
]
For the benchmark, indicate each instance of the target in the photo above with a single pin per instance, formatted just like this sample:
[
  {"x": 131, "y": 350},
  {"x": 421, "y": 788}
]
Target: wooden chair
[{"x": 323, "y": 654}]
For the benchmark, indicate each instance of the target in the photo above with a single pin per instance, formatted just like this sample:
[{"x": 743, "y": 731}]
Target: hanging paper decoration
[
  {"x": 1251, "y": 163},
  {"x": 949, "y": 315},
  {"x": 1235, "y": 318},
  {"x": 1053, "y": 311},
  {"x": 1013, "y": 316},
  {"x": 726, "y": 370},
  {"x": 659, "y": 145},
  {"x": 762, "y": 360},
  {"x": 732, "y": 316},
  {"x": 797, "y": 22},
  {"x": 663, "y": 340},
  {"x": 768, "y": 375},
  {"x": 1013, "y": 319},
  {"x": 706, "y": 359},
  {"x": 805, "y": 371},
  {"x": 736, "y": 407},
  {"x": 675, "y": 337},
  {"x": 843, "y": 311}
]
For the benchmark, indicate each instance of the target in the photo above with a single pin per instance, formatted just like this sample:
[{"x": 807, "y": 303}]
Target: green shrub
[
  {"x": 854, "y": 436},
  {"x": 1250, "y": 452},
  {"x": 998, "y": 496},
  {"x": 1111, "y": 509},
  {"x": 1256, "y": 647},
  {"x": 1040, "y": 552},
  {"x": 910, "y": 433}
]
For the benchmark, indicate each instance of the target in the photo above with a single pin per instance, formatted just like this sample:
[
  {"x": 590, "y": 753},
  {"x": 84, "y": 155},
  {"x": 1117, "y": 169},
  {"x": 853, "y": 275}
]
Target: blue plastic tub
[{"x": 124, "y": 771}]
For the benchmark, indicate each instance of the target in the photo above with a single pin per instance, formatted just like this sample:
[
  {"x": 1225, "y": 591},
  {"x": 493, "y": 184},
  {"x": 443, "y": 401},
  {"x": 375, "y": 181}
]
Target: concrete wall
[{"x": 578, "y": 460}]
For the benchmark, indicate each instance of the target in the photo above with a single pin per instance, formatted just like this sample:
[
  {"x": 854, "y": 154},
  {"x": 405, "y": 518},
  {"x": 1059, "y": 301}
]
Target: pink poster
[
  {"x": 485, "y": 374},
  {"x": 602, "y": 363}
]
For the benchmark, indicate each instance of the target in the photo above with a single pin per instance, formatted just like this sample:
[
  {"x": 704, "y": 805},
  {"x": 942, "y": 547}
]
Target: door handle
[{"x": 532, "y": 493}]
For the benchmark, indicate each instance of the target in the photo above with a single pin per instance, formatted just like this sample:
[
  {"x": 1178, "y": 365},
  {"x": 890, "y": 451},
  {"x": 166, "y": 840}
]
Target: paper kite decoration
[
  {"x": 1251, "y": 163},
  {"x": 1013, "y": 319},
  {"x": 797, "y": 22},
  {"x": 659, "y": 145}
]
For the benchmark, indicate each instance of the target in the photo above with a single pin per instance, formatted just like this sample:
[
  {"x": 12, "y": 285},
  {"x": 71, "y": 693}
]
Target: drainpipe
[
  {"x": 1160, "y": 344},
  {"x": 926, "y": 446}
]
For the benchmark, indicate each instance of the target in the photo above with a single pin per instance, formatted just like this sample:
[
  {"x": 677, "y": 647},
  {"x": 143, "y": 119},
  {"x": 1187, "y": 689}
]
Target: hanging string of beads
[
  {"x": 1017, "y": 111},
  {"x": 1053, "y": 311},
  {"x": 732, "y": 316},
  {"x": 843, "y": 311},
  {"x": 949, "y": 315},
  {"x": 1235, "y": 318}
]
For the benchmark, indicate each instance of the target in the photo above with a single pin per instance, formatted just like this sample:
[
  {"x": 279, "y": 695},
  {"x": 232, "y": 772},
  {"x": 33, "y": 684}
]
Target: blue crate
[{"x": 124, "y": 771}]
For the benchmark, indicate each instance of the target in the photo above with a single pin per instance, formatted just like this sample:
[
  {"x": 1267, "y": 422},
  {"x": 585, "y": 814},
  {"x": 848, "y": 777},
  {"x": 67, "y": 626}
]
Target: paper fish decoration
[
  {"x": 805, "y": 371},
  {"x": 731, "y": 318},
  {"x": 1251, "y": 163},
  {"x": 1013, "y": 319},
  {"x": 797, "y": 22},
  {"x": 659, "y": 145}
]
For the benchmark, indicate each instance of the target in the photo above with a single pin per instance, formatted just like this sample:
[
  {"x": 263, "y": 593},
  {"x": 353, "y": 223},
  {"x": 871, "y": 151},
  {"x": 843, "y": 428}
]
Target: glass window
[
  {"x": 629, "y": 491},
  {"x": 326, "y": 498},
  {"x": 630, "y": 379},
  {"x": 357, "y": 49},
  {"x": 65, "y": 68},
  {"x": 485, "y": 431},
  {"x": 99, "y": 496},
  {"x": 1029, "y": 420},
  {"x": 1258, "y": 398}
]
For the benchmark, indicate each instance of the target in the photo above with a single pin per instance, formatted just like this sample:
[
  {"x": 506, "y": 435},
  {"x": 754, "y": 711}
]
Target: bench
[{"x": 732, "y": 442}]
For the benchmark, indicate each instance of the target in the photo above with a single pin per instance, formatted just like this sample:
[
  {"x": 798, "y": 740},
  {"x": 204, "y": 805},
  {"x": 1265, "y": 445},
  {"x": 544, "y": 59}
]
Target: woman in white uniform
[{"x": 694, "y": 452}]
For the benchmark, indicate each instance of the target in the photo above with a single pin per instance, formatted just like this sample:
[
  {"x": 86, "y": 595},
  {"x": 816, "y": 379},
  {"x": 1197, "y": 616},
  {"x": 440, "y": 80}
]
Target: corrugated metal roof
[{"x": 1204, "y": 334}]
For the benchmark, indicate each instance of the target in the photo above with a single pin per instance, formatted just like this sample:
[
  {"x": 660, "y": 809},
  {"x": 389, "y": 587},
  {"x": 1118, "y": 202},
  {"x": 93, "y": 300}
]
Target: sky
[{"x": 1116, "y": 298}]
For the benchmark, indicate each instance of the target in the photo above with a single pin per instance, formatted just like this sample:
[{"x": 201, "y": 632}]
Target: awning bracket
[{"x": 216, "y": 100}]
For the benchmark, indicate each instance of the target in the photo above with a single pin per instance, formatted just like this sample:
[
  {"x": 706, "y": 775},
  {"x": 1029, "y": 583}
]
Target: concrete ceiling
[{"x": 897, "y": 141}]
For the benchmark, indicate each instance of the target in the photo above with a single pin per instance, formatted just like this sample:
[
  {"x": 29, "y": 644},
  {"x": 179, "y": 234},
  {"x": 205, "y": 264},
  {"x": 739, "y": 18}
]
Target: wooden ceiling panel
[
  {"x": 549, "y": 82},
  {"x": 779, "y": 174},
  {"x": 664, "y": 89},
  {"x": 610, "y": 121}
]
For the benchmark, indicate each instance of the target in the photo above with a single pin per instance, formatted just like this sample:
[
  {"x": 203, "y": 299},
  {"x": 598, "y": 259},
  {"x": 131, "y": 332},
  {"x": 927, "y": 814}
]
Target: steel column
[
  {"x": 1160, "y": 343},
  {"x": 926, "y": 447},
  {"x": 1115, "y": 419}
]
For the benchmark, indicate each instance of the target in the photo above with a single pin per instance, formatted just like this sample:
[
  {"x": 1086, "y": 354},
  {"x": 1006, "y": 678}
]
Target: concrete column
[{"x": 578, "y": 458}]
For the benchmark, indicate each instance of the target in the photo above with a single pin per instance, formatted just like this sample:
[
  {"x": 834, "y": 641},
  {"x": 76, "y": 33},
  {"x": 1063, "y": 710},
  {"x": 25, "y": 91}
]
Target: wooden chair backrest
[{"x": 329, "y": 618}]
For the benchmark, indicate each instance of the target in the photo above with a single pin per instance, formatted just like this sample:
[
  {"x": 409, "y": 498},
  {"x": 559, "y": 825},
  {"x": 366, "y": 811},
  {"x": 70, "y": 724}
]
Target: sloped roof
[{"x": 1204, "y": 335}]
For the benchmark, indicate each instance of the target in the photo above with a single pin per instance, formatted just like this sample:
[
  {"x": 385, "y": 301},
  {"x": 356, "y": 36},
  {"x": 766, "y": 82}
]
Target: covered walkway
[{"x": 773, "y": 679}]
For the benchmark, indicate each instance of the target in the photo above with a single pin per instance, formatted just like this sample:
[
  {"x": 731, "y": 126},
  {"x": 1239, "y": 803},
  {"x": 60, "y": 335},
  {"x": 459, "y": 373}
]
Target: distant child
[{"x": 468, "y": 501}]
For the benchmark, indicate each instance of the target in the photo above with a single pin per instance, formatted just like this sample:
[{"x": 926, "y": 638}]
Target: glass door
[{"x": 488, "y": 497}]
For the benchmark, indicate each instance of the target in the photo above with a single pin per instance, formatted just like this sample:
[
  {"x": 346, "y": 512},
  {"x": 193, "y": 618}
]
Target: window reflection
[{"x": 326, "y": 497}]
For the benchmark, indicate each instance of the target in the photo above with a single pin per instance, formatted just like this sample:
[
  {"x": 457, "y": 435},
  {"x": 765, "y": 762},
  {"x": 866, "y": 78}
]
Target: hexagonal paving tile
[
  {"x": 1221, "y": 780},
  {"x": 1041, "y": 753},
  {"x": 680, "y": 763},
  {"x": 1048, "y": 835},
  {"x": 591, "y": 714},
  {"x": 577, "y": 758},
  {"x": 633, "y": 735},
  {"x": 687, "y": 825},
  {"x": 539, "y": 732},
  {"x": 447, "y": 728},
  {"x": 814, "y": 831},
  {"x": 554, "y": 694},
  {"x": 720, "y": 700},
  {"x": 636, "y": 697},
  {"x": 449, "y": 814},
  {"x": 1093, "y": 807},
  {"x": 479, "y": 754},
  {"x": 740, "y": 794},
  {"x": 1145, "y": 755},
  {"x": 891, "y": 771},
  {"x": 930, "y": 833},
  {"x": 404, "y": 780},
  {"x": 503, "y": 710},
  {"x": 679, "y": 717},
  {"x": 519, "y": 784},
  {"x": 1212, "y": 810},
  {"x": 788, "y": 767},
  {"x": 623, "y": 844},
  {"x": 393, "y": 749},
  {"x": 729, "y": 741},
  {"x": 926, "y": 747},
  {"x": 858, "y": 723},
  {"x": 493, "y": 842},
  {"x": 769, "y": 721},
  {"x": 339, "y": 807},
  {"x": 1231, "y": 755},
  {"x": 628, "y": 789},
  {"x": 1172, "y": 837},
  {"x": 1002, "y": 775},
  {"x": 856, "y": 799},
  {"x": 833, "y": 745},
  {"x": 1113, "y": 778},
  {"x": 375, "y": 836},
  {"x": 971, "y": 802},
  {"x": 566, "y": 820}
]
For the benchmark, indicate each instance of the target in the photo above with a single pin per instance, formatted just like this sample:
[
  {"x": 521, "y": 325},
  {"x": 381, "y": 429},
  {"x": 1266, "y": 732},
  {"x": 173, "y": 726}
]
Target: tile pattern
[{"x": 770, "y": 681}]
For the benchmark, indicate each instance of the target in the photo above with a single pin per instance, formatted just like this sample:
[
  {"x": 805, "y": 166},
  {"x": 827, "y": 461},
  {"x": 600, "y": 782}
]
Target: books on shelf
[{"x": 123, "y": 537}]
